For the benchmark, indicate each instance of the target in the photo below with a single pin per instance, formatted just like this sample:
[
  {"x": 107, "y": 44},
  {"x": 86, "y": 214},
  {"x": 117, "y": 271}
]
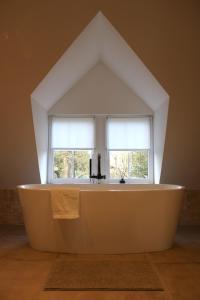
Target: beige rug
[{"x": 102, "y": 275}]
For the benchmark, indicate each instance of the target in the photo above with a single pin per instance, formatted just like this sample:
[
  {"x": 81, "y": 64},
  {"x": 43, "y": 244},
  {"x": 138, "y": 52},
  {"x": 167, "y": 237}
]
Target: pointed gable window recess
[{"x": 99, "y": 41}]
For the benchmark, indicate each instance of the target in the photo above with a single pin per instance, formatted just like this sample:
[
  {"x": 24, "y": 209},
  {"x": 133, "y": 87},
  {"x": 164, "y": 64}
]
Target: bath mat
[{"x": 102, "y": 275}]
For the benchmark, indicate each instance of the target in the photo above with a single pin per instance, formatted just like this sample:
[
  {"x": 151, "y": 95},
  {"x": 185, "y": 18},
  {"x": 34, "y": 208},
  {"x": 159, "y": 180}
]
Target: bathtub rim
[{"x": 104, "y": 187}]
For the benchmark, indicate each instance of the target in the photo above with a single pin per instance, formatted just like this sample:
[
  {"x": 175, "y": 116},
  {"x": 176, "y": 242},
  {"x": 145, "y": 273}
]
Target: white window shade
[
  {"x": 73, "y": 133},
  {"x": 128, "y": 133}
]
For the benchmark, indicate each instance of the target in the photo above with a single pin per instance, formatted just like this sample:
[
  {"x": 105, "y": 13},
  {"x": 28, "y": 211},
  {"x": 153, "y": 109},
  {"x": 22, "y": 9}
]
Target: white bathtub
[{"x": 114, "y": 218}]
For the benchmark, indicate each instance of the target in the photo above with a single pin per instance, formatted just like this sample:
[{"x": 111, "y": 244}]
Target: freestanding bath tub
[{"x": 114, "y": 218}]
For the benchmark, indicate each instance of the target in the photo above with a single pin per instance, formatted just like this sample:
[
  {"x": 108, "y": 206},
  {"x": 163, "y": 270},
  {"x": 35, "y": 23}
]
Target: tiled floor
[{"x": 23, "y": 271}]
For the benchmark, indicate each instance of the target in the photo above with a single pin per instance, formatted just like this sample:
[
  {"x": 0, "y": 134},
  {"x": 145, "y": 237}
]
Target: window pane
[
  {"x": 63, "y": 164},
  {"x": 138, "y": 164},
  {"x": 81, "y": 164},
  {"x": 71, "y": 164},
  {"x": 74, "y": 133},
  {"x": 128, "y": 133},
  {"x": 129, "y": 164},
  {"x": 118, "y": 164}
]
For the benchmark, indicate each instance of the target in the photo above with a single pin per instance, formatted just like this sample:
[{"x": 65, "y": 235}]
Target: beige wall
[{"x": 165, "y": 35}]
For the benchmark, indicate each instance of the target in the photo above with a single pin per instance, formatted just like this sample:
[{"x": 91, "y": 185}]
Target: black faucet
[{"x": 98, "y": 176}]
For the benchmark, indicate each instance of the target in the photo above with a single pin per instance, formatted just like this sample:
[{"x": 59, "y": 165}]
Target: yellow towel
[{"x": 65, "y": 203}]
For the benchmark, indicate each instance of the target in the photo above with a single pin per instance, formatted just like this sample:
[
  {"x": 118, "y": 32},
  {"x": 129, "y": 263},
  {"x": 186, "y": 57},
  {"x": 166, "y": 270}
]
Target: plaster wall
[
  {"x": 165, "y": 35},
  {"x": 100, "y": 92},
  {"x": 40, "y": 118}
]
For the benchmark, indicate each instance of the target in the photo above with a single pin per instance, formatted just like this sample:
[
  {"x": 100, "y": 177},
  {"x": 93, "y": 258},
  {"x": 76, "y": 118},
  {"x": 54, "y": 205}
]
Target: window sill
[{"x": 107, "y": 181}]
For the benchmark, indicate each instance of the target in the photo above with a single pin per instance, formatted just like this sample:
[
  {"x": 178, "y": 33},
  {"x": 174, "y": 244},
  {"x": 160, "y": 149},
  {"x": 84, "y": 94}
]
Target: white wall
[
  {"x": 160, "y": 125},
  {"x": 40, "y": 121},
  {"x": 100, "y": 91}
]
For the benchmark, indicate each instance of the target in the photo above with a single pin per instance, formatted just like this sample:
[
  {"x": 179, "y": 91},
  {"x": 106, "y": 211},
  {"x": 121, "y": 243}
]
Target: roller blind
[
  {"x": 73, "y": 133},
  {"x": 128, "y": 133}
]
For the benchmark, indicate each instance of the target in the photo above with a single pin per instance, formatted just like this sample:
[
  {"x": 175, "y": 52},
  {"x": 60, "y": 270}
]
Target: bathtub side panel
[
  {"x": 42, "y": 232},
  {"x": 110, "y": 221}
]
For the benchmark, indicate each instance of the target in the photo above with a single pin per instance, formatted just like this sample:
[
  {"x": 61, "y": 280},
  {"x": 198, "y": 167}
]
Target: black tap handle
[
  {"x": 90, "y": 167},
  {"x": 99, "y": 164}
]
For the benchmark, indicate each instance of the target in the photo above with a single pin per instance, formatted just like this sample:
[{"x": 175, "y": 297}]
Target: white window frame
[
  {"x": 51, "y": 178},
  {"x": 150, "y": 178},
  {"x": 100, "y": 123}
]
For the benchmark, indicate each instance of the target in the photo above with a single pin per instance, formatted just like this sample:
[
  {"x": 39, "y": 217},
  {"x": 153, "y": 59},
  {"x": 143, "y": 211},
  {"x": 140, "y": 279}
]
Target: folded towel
[{"x": 65, "y": 203}]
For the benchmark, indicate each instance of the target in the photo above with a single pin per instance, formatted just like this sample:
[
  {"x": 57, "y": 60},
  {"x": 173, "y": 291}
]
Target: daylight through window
[
  {"x": 72, "y": 143},
  {"x": 128, "y": 141},
  {"x": 124, "y": 142}
]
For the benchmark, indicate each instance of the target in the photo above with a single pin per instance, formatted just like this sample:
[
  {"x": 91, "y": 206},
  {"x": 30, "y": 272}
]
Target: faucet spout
[{"x": 98, "y": 176}]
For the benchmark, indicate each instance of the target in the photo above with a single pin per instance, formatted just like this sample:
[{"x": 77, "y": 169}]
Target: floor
[{"x": 23, "y": 271}]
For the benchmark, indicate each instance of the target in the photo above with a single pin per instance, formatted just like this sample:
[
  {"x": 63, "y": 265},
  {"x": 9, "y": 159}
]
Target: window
[
  {"x": 71, "y": 146},
  {"x": 129, "y": 148},
  {"x": 125, "y": 145}
]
